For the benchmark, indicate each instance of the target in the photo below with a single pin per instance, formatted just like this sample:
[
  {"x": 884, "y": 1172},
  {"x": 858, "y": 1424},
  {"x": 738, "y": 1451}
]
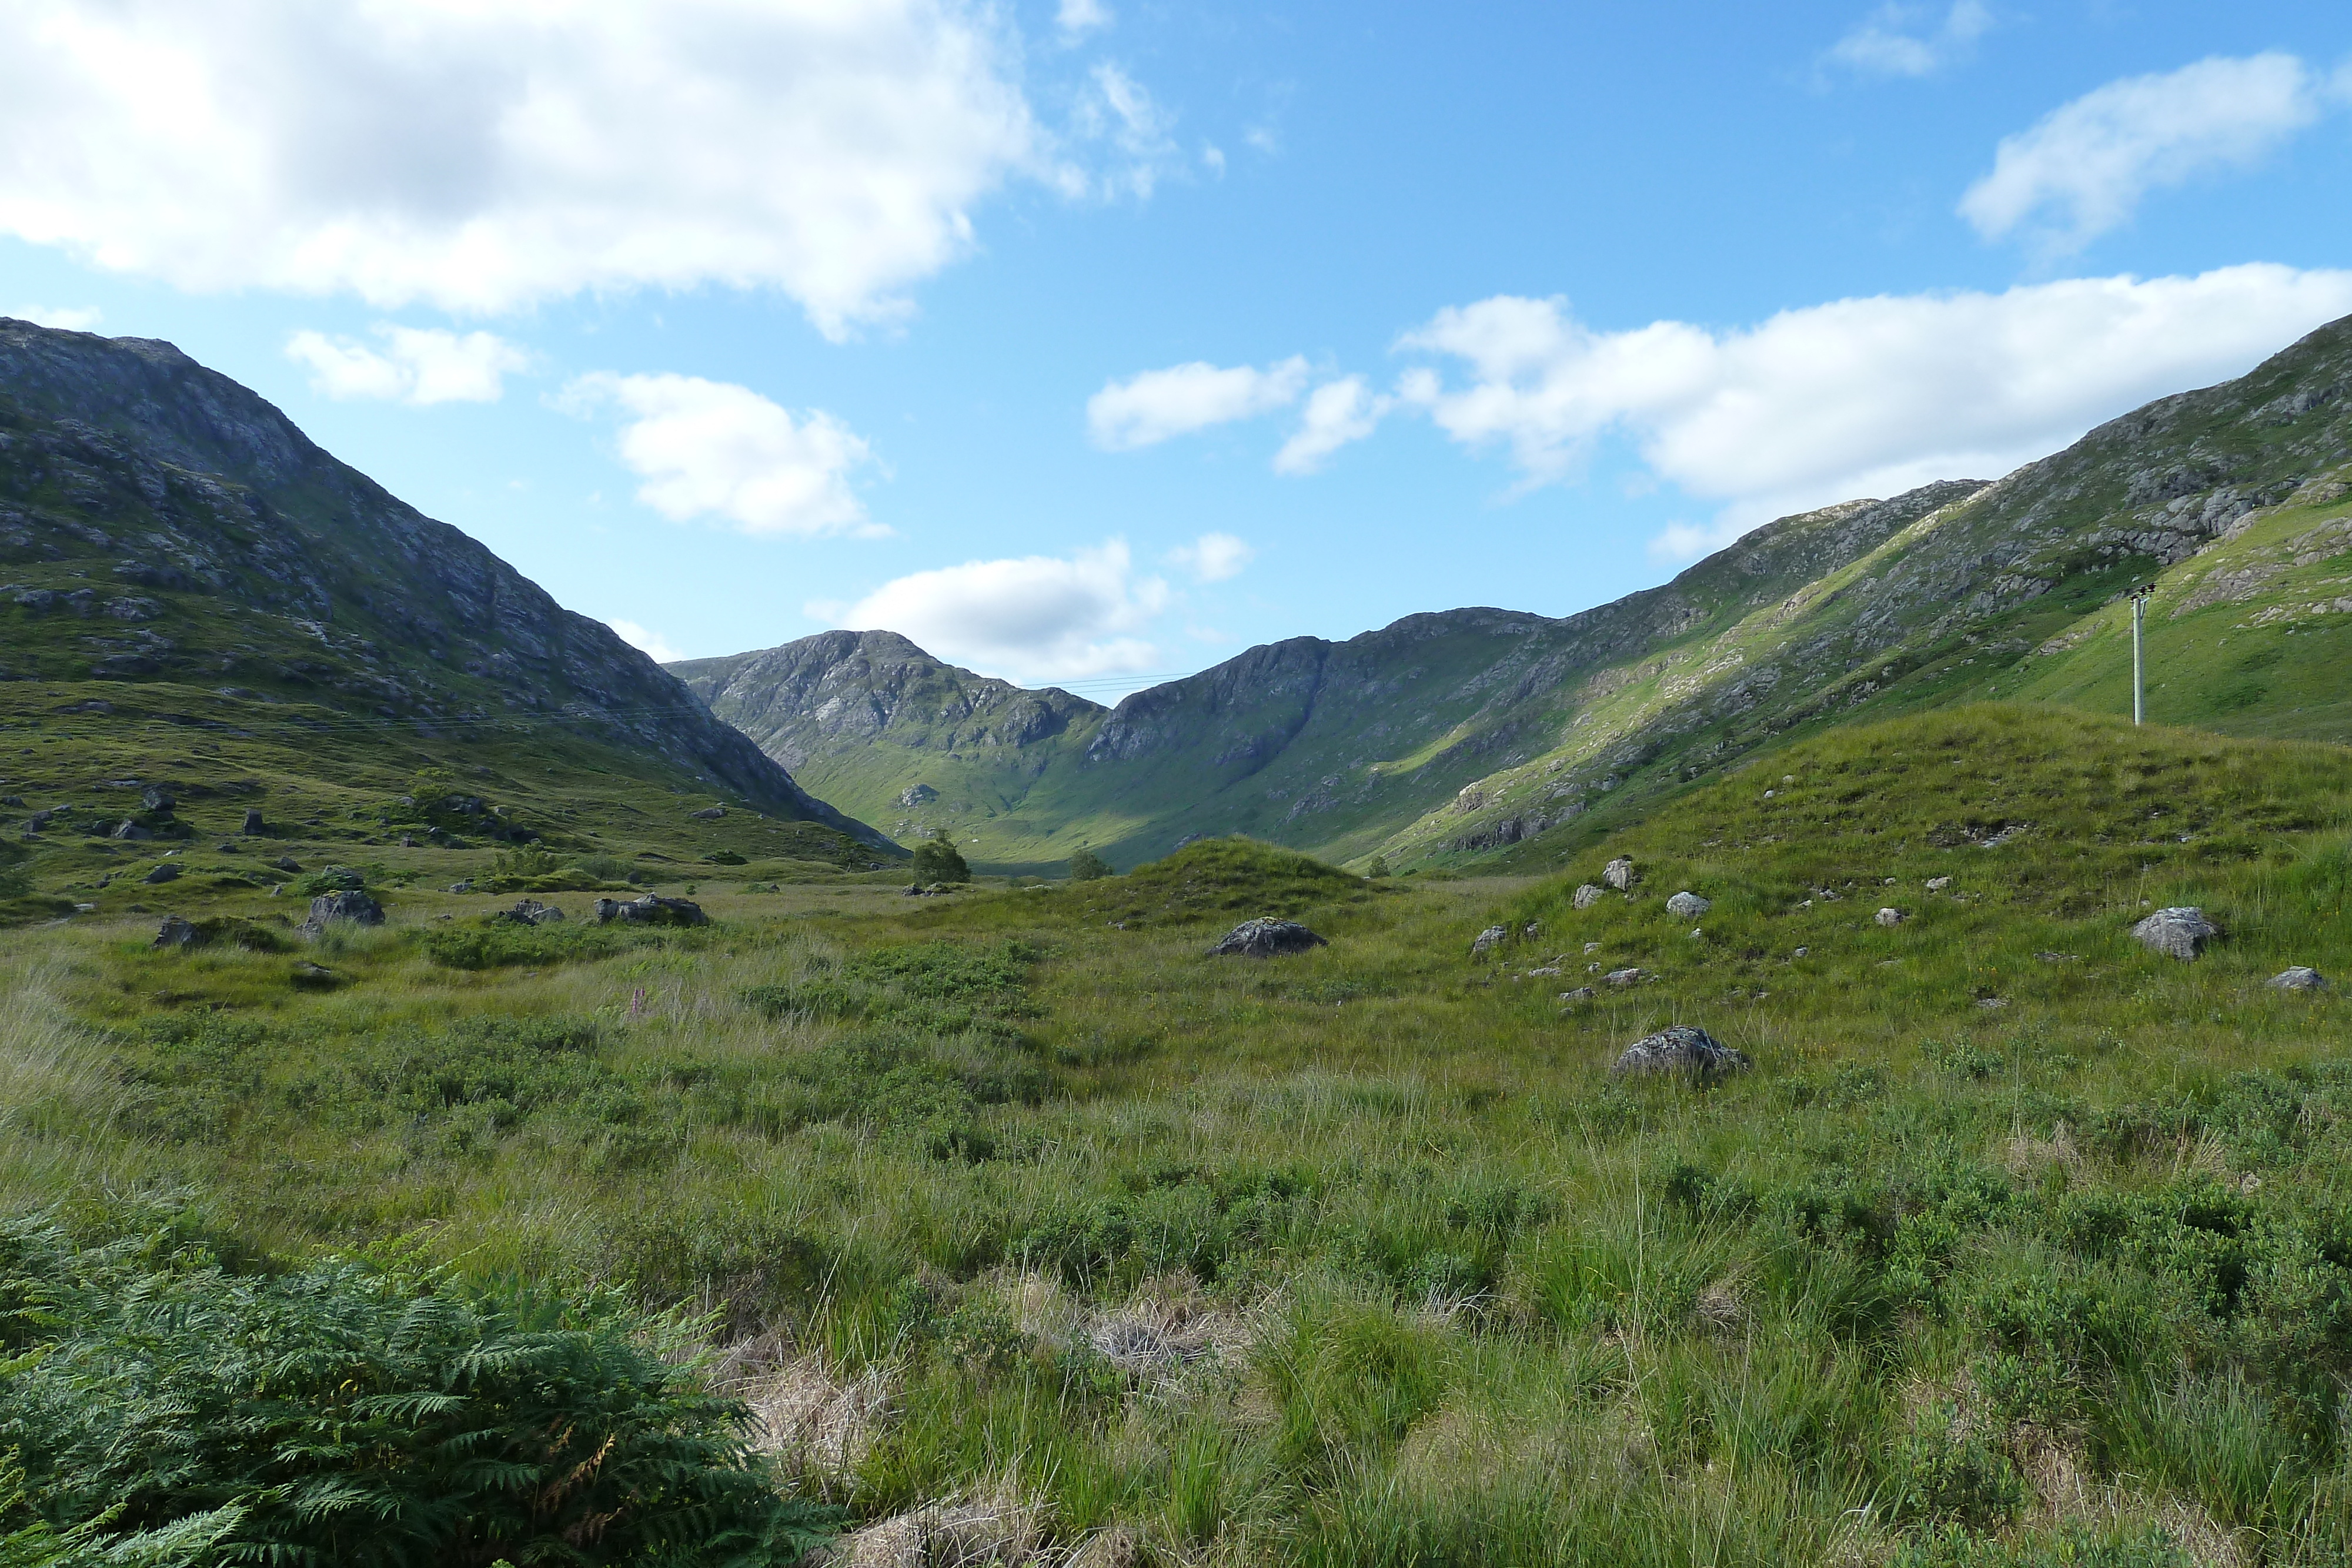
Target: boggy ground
[{"x": 1029, "y": 1229}]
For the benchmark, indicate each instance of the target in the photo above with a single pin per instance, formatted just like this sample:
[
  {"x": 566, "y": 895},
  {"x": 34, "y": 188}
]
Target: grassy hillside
[{"x": 1025, "y": 1224}]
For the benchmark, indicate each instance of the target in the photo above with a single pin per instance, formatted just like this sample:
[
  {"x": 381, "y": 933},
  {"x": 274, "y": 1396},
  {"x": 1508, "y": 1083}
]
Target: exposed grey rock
[
  {"x": 461, "y": 887},
  {"x": 157, "y": 799},
  {"x": 652, "y": 909},
  {"x": 709, "y": 813},
  {"x": 314, "y": 976},
  {"x": 168, "y": 872},
  {"x": 1619, "y": 874},
  {"x": 2299, "y": 977},
  {"x": 1683, "y": 1049},
  {"x": 175, "y": 934},
  {"x": 1685, "y": 905},
  {"x": 1581, "y": 994},
  {"x": 1486, "y": 941},
  {"x": 531, "y": 912},
  {"x": 1264, "y": 939},
  {"x": 287, "y": 864},
  {"x": 1587, "y": 896},
  {"x": 128, "y": 830},
  {"x": 342, "y": 905},
  {"x": 917, "y": 795},
  {"x": 1626, "y": 977},
  {"x": 254, "y": 826},
  {"x": 2180, "y": 933},
  {"x": 1937, "y": 884},
  {"x": 1891, "y": 917}
]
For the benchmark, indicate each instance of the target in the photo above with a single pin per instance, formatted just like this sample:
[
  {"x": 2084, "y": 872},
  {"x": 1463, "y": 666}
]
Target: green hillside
[{"x": 1024, "y": 1228}]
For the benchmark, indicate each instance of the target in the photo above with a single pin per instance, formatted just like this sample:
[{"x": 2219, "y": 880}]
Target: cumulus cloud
[
  {"x": 1858, "y": 397},
  {"x": 487, "y": 154},
  {"x": 416, "y": 365},
  {"x": 1148, "y": 409},
  {"x": 1337, "y": 412},
  {"x": 64, "y": 318},
  {"x": 1032, "y": 618},
  {"x": 1212, "y": 557},
  {"x": 1074, "y": 17},
  {"x": 2083, "y": 169},
  {"x": 1907, "y": 40},
  {"x": 713, "y": 449},
  {"x": 652, "y": 645}
]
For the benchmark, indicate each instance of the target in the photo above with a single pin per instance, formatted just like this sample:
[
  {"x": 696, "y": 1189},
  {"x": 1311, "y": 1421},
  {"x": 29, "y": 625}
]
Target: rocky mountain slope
[
  {"x": 1477, "y": 732},
  {"x": 173, "y": 551}
]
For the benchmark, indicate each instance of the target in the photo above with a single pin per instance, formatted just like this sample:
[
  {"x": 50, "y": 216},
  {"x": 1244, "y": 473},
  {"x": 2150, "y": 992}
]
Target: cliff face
[{"x": 166, "y": 524}]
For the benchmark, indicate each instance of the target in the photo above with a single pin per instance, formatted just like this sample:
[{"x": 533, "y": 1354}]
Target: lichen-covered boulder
[
  {"x": 1619, "y": 874},
  {"x": 1587, "y": 894},
  {"x": 531, "y": 912},
  {"x": 344, "y": 904},
  {"x": 1892, "y": 917},
  {"x": 1266, "y": 938},
  {"x": 1683, "y": 1049},
  {"x": 176, "y": 934},
  {"x": 2300, "y": 978},
  {"x": 2177, "y": 933},
  {"x": 1489, "y": 939},
  {"x": 651, "y": 909},
  {"x": 1688, "y": 905}
]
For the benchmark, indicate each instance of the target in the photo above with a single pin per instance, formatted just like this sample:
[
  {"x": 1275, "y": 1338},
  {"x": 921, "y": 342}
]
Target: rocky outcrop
[
  {"x": 1687, "y": 906},
  {"x": 652, "y": 909},
  {"x": 2180, "y": 933},
  {"x": 1684, "y": 1050},
  {"x": 1266, "y": 938},
  {"x": 343, "y": 906}
]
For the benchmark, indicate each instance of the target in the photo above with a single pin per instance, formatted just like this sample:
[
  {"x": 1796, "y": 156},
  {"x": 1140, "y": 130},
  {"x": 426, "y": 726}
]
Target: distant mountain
[
  {"x": 1470, "y": 733},
  {"x": 172, "y": 545}
]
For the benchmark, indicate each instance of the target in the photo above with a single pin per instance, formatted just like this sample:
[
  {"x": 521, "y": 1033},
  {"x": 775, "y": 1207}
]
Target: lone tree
[
  {"x": 1088, "y": 866},
  {"x": 936, "y": 861}
]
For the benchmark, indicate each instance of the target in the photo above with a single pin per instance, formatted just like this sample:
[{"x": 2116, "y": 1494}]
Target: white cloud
[
  {"x": 1858, "y": 397},
  {"x": 2083, "y": 169},
  {"x": 1337, "y": 412},
  {"x": 652, "y": 645},
  {"x": 1076, "y": 16},
  {"x": 1212, "y": 557},
  {"x": 485, "y": 154},
  {"x": 1036, "y": 617},
  {"x": 418, "y": 365},
  {"x": 63, "y": 317},
  {"x": 1906, "y": 40},
  {"x": 713, "y": 449},
  {"x": 1118, "y": 112},
  {"x": 1147, "y": 409}
]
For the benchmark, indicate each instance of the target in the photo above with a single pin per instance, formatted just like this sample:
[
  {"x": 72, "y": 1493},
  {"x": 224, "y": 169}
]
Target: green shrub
[
  {"x": 1088, "y": 866},
  {"x": 331, "y": 879},
  {"x": 935, "y": 860},
  {"x": 167, "y": 1409},
  {"x": 724, "y": 857}
]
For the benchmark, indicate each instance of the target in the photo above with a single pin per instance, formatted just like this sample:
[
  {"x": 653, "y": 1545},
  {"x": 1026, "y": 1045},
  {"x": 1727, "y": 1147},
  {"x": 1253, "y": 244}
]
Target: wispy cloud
[
  {"x": 1212, "y": 557},
  {"x": 415, "y": 365},
  {"x": 1911, "y": 40},
  {"x": 1147, "y": 409},
  {"x": 1337, "y": 413}
]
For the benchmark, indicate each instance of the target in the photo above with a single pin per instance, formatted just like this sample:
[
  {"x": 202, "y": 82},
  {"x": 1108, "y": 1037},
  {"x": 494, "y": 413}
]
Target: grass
[{"x": 1361, "y": 1256}]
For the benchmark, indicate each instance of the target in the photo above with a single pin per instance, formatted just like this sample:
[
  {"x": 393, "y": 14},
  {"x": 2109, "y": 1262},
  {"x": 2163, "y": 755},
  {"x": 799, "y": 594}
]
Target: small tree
[
  {"x": 1379, "y": 866},
  {"x": 936, "y": 861},
  {"x": 1088, "y": 866}
]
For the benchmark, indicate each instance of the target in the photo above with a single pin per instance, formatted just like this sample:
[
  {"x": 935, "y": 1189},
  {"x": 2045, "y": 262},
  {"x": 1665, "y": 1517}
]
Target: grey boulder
[
  {"x": 708, "y": 814},
  {"x": 1486, "y": 941},
  {"x": 1587, "y": 896},
  {"x": 1619, "y": 874},
  {"x": 254, "y": 826},
  {"x": 1684, "y": 1049},
  {"x": 1686, "y": 904},
  {"x": 531, "y": 912},
  {"x": 1892, "y": 917},
  {"x": 2300, "y": 978},
  {"x": 177, "y": 934},
  {"x": 345, "y": 906},
  {"x": 1264, "y": 939},
  {"x": 2177, "y": 933},
  {"x": 1623, "y": 976},
  {"x": 167, "y": 871},
  {"x": 650, "y": 910}
]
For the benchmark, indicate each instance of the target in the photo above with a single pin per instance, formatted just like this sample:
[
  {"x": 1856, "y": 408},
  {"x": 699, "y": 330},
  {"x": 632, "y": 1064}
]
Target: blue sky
[{"x": 1093, "y": 340}]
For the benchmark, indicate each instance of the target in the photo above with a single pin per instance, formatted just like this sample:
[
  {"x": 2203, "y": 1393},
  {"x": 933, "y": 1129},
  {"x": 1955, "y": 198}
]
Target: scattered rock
[
  {"x": 315, "y": 977},
  {"x": 1686, "y": 904},
  {"x": 177, "y": 934},
  {"x": 287, "y": 864},
  {"x": 1531, "y": 930},
  {"x": 2060, "y": 957},
  {"x": 1590, "y": 947},
  {"x": 127, "y": 829},
  {"x": 531, "y": 912},
  {"x": 1487, "y": 940},
  {"x": 254, "y": 826},
  {"x": 1539, "y": 974},
  {"x": 167, "y": 871},
  {"x": 1587, "y": 896},
  {"x": 408, "y": 840},
  {"x": 1937, "y": 884},
  {"x": 1264, "y": 938},
  {"x": 651, "y": 909},
  {"x": 1619, "y": 874},
  {"x": 1992, "y": 1004},
  {"x": 1581, "y": 994},
  {"x": 2177, "y": 933},
  {"x": 1892, "y": 917},
  {"x": 917, "y": 795},
  {"x": 1684, "y": 1049},
  {"x": 158, "y": 799},
  {"x": 1623, "y": 976},
  {"x": 709, "y": 813},
  {"x": 1800, "y": 952},
  {"x": 2300, "y": 978},
  {"x": 342, "y": 905},
  {"x": 461, "y": 887}
]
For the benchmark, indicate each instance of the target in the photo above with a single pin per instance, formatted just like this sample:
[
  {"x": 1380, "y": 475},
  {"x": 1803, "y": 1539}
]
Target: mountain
[
  {"x": 184, "y": 569},
  {"x": 1471, "y": 733}
]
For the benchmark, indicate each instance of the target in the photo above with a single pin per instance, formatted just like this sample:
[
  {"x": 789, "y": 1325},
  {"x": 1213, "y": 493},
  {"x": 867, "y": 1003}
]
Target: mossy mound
[{"x": 1219, "y": 879}]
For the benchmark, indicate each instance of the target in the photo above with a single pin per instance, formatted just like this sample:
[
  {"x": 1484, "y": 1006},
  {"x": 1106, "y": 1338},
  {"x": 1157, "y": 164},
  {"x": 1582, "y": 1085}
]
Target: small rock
[
  {"x": 2060, "y": 957},
  {"x": 342, "y": 905},
  {"x": 1892, "y": 917},
  {"x": 315, "y": 975},
  {"x": 287, "y": 864},
  {"x": 165, "y": 872},
  {"x": 531, "y": 912},
  {"x": 709, "y": 813},
  {"x": 1531, "y": 930},
  {"x": 1587, "y": 896},
  {"x": 408, "y": 840},
  {"x": 461, "y": 887},
  {"x": 651, "y": 909},
  {"x": 2298, "y": 978},
  {"x": 1619, "y": 874},
  {"x": 2177, "y": 933},
  {"x": 1487, "y": 940},
  {"x": 1264, "y": 938},
  {"x": 1686, "y": 906},
  {"x": 1683, "y": 1049},
  {"x": 177, "y": 934},
  {"x": 1937, "y": 884},
  {"x": 254, "y": 826},
  {"x": 157, "y": 799},
  {"x": 1623, "y": 976},
  {"x": 1590, "y": 947},
  {"x": 127, "y": 829},
  {"x": 1537, "y": 974},
  {"x": 1581, "y": 994},
  {"x": 1801, "y": 952},
  {"x": 1992, "y": 1004}
]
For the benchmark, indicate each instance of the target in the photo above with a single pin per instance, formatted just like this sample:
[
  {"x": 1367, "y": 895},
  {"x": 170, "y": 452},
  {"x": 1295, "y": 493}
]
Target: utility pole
[{"x": 2139, "y": 597}]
